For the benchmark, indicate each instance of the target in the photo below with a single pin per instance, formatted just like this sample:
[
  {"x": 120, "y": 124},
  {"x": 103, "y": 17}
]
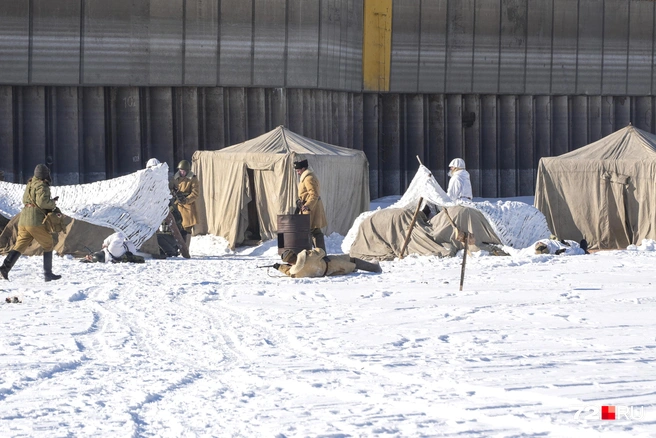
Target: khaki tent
[
  {"x": 604, "y": 192},
  {"x": 245, "y": 187},
  {"x": 79, "y": 236},
  {"x": 382, "y": 234}
]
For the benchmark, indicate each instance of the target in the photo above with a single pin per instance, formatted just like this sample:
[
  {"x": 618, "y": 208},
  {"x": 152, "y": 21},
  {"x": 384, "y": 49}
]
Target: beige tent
[
  {"x": 80, "y": 237},
  {"x": 604, "y": 192},
  {"x": 382, "y": 234},
  {"x": 245, "y": 187}
]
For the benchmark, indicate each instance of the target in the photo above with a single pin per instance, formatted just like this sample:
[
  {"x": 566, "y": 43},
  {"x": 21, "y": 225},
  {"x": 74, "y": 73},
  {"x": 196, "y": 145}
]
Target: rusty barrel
[{"x": 294, "y": 232}]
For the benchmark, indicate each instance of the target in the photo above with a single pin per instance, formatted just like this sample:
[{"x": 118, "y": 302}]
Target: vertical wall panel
[
  {"x": 302, "y": 43},
  {"x": 56, "y": 42},
  {"x": 565, "y": 31},
  {"x": 560, "y": 125},
  {"x": 489, "y": 145},
  {"x": 295, "y": 110},
  {"x": 642, "y": 113},
  {"x": 454, "y": 130},
  {"x": 472, "y": 131},
  {"x": 33, "y": 150},
  {"x": 579, "y": 122},
  {"x": 512, "y": 59},
  {"x": 160, "y": 116},
  {"x": 116, "y": 30},
  {"x": 237, "y": 111},
  {"x": 330, "y": 48},
  {"x": 405, "y": 46},
  {"x": 93, "y": 134},
  {"x": 590, "y": 46},
  {"x": 616, "y": 44},
  {"x": 414, "y": 135},
  {"x": 7, "y": 164},
  {"x": 485, "y": 68},
  {"x": 127, "y": 106},
  {"x": 432, "y": 62},
  {"x": 508, "y": 146},
  {"x": 236, "y": 29},
  {"x": 594, "y": 118},
  {"x": 437, "y": 159},
  {"x": 370, "y": 145},
  {"x": 215, "y": 132},
  {"x": 641, "y": 45},
  {"x": 201, "y": 43},
  {"x": 607, "y": 115},
  {"x": 14, "y": 42},
  {"x": 543, "y": 127},
  {"x": 165, "y": 37},
  {"x": 269, "y": 44},
  {"x": 460, "y": 46},
  {"x": 539, "y": 46},
  {"x": 66, "y": 148},
  {"x": 390, "y": 151},
  {"x": 352, "y": 64},
  {"x": 190, "y": 116},
  {"x": 622, "y": 112},
  {"x": 256, "y": 112},
  {"x": 526, "y": 146}
]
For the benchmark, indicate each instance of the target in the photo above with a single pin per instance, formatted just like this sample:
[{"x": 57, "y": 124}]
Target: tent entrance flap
[{"x": 253, "y": 228}]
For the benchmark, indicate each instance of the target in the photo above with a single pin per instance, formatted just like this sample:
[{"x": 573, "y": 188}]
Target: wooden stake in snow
[
  {"x": 412, "y": 225},
  {"x": 464, "y": 260}
]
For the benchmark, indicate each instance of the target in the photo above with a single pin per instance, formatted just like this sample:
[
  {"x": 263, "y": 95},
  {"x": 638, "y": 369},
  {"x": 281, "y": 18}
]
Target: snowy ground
[{"x": 214, "y": 346}]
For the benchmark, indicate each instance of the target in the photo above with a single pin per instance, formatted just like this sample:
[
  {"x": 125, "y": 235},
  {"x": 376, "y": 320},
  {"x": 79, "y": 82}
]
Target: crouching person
[
  {"x": 37, "y": 202},
  {"x": 315, "y": 263},
  {"x": 116, "y": 249}
]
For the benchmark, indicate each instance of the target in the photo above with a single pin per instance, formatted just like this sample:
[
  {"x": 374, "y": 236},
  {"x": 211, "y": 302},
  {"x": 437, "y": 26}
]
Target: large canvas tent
[
  {"x": 246, "y": 186},
  {"x": 604, "y": 192}
]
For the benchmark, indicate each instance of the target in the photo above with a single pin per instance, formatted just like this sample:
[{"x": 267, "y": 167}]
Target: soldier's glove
[
  {"x": 276, "y": 265},
  {"x": 299, "y": 203}
]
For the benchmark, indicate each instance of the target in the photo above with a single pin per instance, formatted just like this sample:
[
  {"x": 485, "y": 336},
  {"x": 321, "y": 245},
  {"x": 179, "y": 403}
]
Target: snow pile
[
  {"x": 135, "y": 204},
  {"x": 646, "y": 245},
  {"x": 518, "y": 225}
]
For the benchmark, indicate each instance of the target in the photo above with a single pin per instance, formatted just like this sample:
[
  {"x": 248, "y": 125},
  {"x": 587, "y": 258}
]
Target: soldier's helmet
[
  {"x": 288, "y": 256},
  {"x": 98, "y": 256},
  {"x": 184, "y": 165}
]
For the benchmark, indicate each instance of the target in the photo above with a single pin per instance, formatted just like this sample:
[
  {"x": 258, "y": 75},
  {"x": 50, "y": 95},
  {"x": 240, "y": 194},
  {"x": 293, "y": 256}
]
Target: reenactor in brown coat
[
  {"x": 37, "y": 203},
  {"x": 315, "y": 263},
  {"x": 187, "y": 189},
  {"x": 309, "y": 202}
]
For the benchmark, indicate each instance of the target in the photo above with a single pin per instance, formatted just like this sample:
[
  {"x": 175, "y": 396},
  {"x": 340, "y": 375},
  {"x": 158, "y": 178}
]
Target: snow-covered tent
[
  {"x": 135, "y": 204},
  {"x": 509, "y": 223},
  {"x": 604, "y": 192},
  {"x": 246, "y": 186}
]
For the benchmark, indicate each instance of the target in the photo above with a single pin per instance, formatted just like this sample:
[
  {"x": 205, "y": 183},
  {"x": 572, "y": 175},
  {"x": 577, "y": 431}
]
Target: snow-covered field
[{"x": 214, "y": 346}]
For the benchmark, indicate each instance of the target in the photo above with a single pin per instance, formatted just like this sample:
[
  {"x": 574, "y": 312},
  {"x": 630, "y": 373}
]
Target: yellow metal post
[{"x": 377, "y": 45}]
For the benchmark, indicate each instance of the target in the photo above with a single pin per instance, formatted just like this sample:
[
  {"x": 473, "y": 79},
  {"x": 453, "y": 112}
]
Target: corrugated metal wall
[
  {"x": 98, "y": 87},
  {"x": 92, "y": 133}
]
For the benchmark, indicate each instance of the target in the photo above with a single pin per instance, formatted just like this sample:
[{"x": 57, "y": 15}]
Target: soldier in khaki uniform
[
  {"x": 37, "y": 203},
  {"x": 187, "y": 189},
  {"x": 315, "y": 263},
  {"x": 309, "y": 202}
]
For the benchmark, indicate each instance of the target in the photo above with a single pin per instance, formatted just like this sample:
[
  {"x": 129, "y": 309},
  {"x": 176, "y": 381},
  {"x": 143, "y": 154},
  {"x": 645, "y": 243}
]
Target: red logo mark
[{"x": 608, "y": 412}]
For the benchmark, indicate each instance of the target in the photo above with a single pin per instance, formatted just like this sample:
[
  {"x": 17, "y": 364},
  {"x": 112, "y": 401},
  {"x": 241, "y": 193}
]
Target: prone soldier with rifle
[{"x": 315, "y": 263}]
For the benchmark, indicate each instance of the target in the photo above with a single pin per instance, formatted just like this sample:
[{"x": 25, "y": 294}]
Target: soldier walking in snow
[
  {"x": 37, "y": 203},
  {"x": 309, "y": 202},
  {"x": 315, "y": 263},
  {"x": 460, "y": 184},
  {"x": 186, "y": 189}
]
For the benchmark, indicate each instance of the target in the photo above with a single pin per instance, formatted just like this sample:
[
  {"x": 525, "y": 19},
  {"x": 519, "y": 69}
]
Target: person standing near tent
[
  {"x": 37, "y": 202},
  {"x": 315, "y": 263},
  {"x": 309, "y": 202},
  {"x": 186, "y": 189},
  {"x": 460, "y": 188}
]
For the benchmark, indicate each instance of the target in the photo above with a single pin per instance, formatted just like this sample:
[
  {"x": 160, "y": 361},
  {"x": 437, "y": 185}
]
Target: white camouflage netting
[
  {"x": 135, "y": 204},
  {"x": 517, "y": 224}
]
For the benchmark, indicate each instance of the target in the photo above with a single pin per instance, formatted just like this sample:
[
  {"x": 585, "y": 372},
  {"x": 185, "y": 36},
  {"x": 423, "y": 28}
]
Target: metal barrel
[{"x": 294, "y": 232}]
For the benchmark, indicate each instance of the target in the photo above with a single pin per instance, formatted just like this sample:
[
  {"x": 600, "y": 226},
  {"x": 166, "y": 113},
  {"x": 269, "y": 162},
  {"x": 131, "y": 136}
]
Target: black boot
[
  {"x": 9, "y": 263},
  {"x": 319, "y": 242},
  {"x": 47, "y": 267},
  {"x": 366, "y": 266}
]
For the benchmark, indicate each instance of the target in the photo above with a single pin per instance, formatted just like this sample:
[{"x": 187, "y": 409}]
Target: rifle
[{"x": 268, "y": 266}]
